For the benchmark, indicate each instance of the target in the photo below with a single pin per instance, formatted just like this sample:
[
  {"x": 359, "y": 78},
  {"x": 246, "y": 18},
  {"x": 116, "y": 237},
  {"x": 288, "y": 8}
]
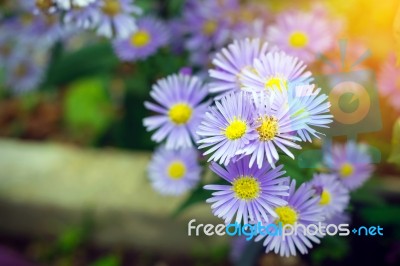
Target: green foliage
[
  {"x": 334, "y": 247},
  {"x": 293, "y": 169},
  {"x": 91, "y": 60},
  {"x": 71, "y": 239},
  {"x": 203, "y": 255},
  {"x": 382, "y": 215},
  {"x": 395, "y": 154},
  {"x": 87, "y": 108},
  {"x": 111, "y": 260},
  {"x": 198, "y": 195}
]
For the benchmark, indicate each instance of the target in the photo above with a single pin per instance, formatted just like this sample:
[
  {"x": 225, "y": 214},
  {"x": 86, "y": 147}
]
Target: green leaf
[
  {"x": 293, "y": 170},
  {"x": 92, "y": 60},
  {"x": 71, "y": 239},
  {"x": 198, "y": 195},
  {"x": 395, "y": 154},
  {"x": 110, "y": 260},
  {"x": 382, "y": 215},
  {"x": 87, "y": 108},
  {"x": 334, "y": 247}
]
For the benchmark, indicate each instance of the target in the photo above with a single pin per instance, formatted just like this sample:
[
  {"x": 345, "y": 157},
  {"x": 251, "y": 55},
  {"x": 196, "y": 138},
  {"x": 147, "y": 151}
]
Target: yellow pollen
[
  {"x": 111, "y": 7},
  {"x": 325, "y": 197},
  {"x": 298, "y": 39},
  {"x": 246, "y": 188},
  {"x": 180, "y": 113},
  {"x": 286, "y": 215},
  {"x": 26, "y": 19},
  {"x": 140, "y": 38},
  {"x": 346, "y": 170},
  {"x": 209, "y": 27},
  {"x": 276, "y": 83},
  {"x": 268, "y": 129},
  {"x": 44, "y": 5},
  {"x": 21, "y": 71},
  {"x": 236, "y": 129},
  {"x": 176, "y": 170}
]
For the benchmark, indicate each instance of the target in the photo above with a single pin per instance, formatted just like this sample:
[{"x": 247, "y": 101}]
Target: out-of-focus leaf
[
  {"x": 382, "y": 215},
  {"x": 175, "y": 6},
  {"x": 335, "y": 248},
  {"x": 198, "y": 195},
  {"x": 111, "y": 260},
  {"x": 71, "y": 239},
  {"x": 395, "y": 154},
  {"x": 365, "y": 195},
  {"x": 87, "y": 108},
  {"x": 293, "y": 170},
  {"x": 91, "y": 60}
]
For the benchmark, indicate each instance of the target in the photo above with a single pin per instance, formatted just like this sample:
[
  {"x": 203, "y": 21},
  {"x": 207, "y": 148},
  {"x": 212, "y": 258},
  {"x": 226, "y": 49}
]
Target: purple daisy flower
[
  {"x": 179, "y": 110},
  {"x": 38, "y": 7},
  {"x": 70, "y": 4},
  {"x": 150, "y": 35},
  {"x": 351, "y": 162},
  {"x": 227, "y": 127},
  {"x": 174, "y": 172},
  {"x": 275, "y": 71},
  {"x": 339, "y": 218},
  {"x": 302, "y": 208},
  {"x": 7, "y": 43},
  {"x": 208, "y": 27},
  {"x": 389, "y": 82},
  {"x": 114, "y": 18},
  {"x": 41, "y": 30},
  {"x": 310, "y": 106},
  {"x": 231, "y": 62},
  {"x": 251, "y": 20},
  {"x": 275, "y": 129},
  {"x": 334, "y": 196},
  {"x": 23, "y": 72},
  {"x": 304, "y": 35},
  {"x": 82, "y": 17},
  {"x": 254, "y": 29},
  {"x": 252, "y": 193}
]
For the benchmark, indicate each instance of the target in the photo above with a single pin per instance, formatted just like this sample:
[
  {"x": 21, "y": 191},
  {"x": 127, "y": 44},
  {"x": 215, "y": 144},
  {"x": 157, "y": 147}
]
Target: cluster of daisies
[
  {"x": 264, "y": 105},
  {"x": 201, "y": 30},
  {"x": 43, "y": 23}
]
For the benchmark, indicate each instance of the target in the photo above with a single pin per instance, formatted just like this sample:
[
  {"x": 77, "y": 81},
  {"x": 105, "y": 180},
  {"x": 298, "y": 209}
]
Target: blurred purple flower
[{"x": 145, "y": 41}]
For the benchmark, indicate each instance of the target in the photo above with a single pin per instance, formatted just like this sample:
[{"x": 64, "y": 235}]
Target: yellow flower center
[
  {"x": 298, "y": 39},
  {"x": 268, "y": 129},
  {"x": 44, "y": 5},
  {"x": 176, "y": 170},
  {"x": 325, "y": 197},
  {"x": 111, "y": 7},
  {"x": 209, "y": 27},
  {"x": 276, "y": 83},
  {"x": 346, "y": 170},
  {"x": 286, "y": 215},
  {"x": 180, "y": 113},
  {"x": 246, "y": 188},
  {"x": 26, "y": 19},
  {"x": 21, "y": 71},
  {"x": 140, "y": 38},
  {"x": 236, "y": 129}
]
